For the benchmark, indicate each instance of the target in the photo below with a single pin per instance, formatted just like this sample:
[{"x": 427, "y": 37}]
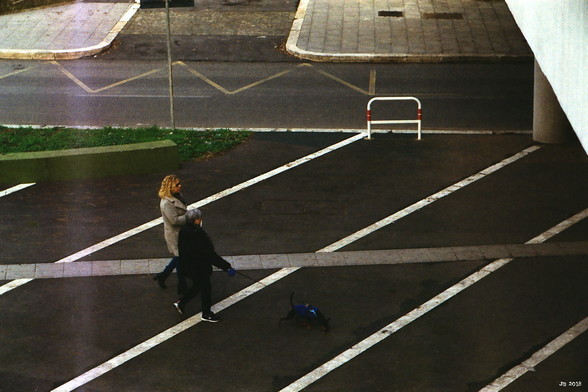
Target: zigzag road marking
[
  {"x": 94, "y": 91},
  {"x": 241, "y": 89},
  {"x": 212, "y": 82},
  {"x": 19, "y": 71},
  {"x": 343, "y": 82},
  {"x": 371, "y": 91}
]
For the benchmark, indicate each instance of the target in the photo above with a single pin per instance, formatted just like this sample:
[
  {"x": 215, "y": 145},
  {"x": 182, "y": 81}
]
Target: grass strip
[{"x": 191, "y": 144}]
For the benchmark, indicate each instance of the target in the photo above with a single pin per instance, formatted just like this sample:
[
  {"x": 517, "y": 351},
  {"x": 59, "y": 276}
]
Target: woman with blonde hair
[{"x": 173, "y": 210}]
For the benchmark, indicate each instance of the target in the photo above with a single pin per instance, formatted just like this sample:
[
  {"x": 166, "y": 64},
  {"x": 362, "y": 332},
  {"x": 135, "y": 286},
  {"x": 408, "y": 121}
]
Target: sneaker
[
  {"x": 179, "y": 307},
  {"x": 210, "y": 317},
  {"x": 160, "y": 280}
]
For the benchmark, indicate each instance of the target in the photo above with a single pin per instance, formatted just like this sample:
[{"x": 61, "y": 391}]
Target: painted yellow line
[
  {"x": 241, "y": 89},
  {"x": 337, "y": 79},
  {"x": 279, "y": 74},
  {"x": 17, "y": 72},
  {"x": 94, "y": 91},
  {"x": 204, "y": 78},
  {"x": 72, "y": 77},
  {"x": 372, "y": 83},
  {"x": 372, "y": 88},
  {"x": 128, "y": 80}
]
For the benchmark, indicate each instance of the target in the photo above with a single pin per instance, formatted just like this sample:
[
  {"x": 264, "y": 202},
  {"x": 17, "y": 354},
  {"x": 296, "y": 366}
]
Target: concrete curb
[
  {"x": 317, "y": 259},
  {"x": 293, "y": 49},
  {"x": 71, "y": 54},
  {"x": 93, "y": 162}
]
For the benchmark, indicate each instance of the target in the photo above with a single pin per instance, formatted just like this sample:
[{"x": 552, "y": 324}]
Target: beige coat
[{"x": 173, "y": 213}]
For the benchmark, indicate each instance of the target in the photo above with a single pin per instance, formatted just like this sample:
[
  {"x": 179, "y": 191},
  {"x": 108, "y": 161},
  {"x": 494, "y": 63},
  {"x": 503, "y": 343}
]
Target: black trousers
[{"x": 199, "y": 285}]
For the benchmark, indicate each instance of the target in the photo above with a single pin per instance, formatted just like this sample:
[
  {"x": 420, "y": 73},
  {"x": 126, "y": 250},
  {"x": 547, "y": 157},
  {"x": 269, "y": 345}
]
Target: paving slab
[
  {"x": 312, "y": 259},
  {"x": 406, "y": 31},
  {"x": 66, "y": 31},
  {"x": 321, "y": 30}
]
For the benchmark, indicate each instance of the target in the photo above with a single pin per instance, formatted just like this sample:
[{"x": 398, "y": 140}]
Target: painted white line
[
  {"x": 15, "y": 188},
  {"x": 143, "y": 347},
  {"x": 413, "y": 315},
  {"x": 559, "y": 227},
  {"x": 169, "y": 333},
  {"x": 13, "y": 284},
  {"x": 426, "y": 201},
  {"x": 537, "y": 358},
  {"x": 473, "y": 132},
  {"x": 210, "y": 199}
]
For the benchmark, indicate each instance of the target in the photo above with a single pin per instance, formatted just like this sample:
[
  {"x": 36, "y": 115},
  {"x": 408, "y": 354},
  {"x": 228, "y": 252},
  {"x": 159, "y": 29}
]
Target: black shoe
[
  {"x": 210, "y": 317},
  {"x": 161, "y": 280},
  {"x": 179, "y": 307}
]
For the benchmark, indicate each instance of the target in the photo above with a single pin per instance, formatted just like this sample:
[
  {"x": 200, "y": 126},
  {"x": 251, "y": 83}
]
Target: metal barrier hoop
[{"x": 370, "y": 121}]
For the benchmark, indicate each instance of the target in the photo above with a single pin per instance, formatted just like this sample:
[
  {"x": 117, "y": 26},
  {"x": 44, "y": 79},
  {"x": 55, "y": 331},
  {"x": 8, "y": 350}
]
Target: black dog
[{"x": 307, "y": 313}]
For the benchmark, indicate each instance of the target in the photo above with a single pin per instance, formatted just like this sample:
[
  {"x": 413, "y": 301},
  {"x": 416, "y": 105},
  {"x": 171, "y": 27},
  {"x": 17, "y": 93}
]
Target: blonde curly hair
[{"x": 166, "y": 186}]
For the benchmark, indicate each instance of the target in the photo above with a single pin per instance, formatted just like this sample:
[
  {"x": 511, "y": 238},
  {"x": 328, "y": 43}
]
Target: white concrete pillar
[{"x": 550, "y": 123}]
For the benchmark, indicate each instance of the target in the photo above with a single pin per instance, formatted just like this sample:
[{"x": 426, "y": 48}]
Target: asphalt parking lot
[{"x": 93, "y": 329}]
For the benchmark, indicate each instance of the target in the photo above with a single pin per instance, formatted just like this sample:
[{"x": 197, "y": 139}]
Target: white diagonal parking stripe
[
  {"x": 127, "y": 234},
  {"x": 169, "y": 333},
  {"x": 15, "y": 188},
  {"x": 553, "y": 346},
  {"x": 426, "y": 201},
  {"x": 413, "y": 315},
  {"x": 142, "y": 347}
]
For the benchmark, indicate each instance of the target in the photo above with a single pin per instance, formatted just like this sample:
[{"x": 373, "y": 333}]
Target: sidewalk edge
[
  {"x": 71, "y": 54},
  {"x": 293, "y": 49}
]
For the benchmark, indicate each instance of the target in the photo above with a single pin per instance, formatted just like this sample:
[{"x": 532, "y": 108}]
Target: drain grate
[
  {"x": 442, "y": 15},
  {"x": 394, "y": 14}
]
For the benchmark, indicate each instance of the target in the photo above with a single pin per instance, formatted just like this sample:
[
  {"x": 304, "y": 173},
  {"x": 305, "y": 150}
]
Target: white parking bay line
[
  {"x": 15, "y": 188},
  {"x": 426, "y": 201},
  {"x": 413, "y": 315},
  {"x": 169, "y": 333},
  {"x": 18, "y": 282},
  {"x": 553, "y": 346},
  {"x": 210, "y": 199}
]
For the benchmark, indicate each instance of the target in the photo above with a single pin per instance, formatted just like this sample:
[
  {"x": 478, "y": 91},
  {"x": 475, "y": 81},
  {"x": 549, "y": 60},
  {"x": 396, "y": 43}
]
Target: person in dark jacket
[{"x": 197, "y": 256}]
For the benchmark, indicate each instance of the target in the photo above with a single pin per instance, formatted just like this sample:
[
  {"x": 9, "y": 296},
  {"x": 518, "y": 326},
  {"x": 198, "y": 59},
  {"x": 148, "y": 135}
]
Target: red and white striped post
[{"x": 418, "y": 120}]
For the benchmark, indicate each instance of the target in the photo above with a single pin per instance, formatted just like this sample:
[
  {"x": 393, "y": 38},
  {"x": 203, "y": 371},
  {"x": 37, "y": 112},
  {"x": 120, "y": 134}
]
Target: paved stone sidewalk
[
  {"x": 406, "y": 30},
  {"x": 322, "y": 30},
  {"x": 269, "y": 261},
  {"x": 66, "y": 31}
]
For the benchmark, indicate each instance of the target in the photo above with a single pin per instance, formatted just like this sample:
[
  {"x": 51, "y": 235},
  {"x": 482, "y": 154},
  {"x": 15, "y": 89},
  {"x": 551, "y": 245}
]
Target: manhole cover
[
  {"x": 442, "y": 15},
  {"x": 394, "y": 14}
]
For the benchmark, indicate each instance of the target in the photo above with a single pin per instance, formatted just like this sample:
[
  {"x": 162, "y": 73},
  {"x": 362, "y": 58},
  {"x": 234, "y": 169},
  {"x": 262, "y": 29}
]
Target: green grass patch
[{"x": 191, "y": 144}]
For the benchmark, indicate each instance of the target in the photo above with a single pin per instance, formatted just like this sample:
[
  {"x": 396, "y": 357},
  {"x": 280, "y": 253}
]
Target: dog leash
[{"x": 250, "y": 278}]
